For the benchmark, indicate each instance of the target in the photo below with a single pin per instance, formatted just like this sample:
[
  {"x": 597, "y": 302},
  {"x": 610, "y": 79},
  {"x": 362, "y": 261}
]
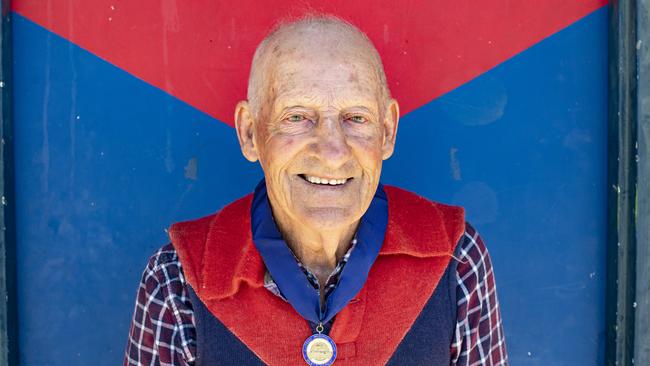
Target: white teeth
[{"x": 318, "y": 180}]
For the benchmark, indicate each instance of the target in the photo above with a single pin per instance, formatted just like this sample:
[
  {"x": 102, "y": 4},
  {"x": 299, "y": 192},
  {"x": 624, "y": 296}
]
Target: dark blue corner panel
[{"x": 104, "y": 162}]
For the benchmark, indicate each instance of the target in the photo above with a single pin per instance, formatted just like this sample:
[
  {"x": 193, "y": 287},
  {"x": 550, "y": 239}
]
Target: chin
[{"x": 328, "y": 218}]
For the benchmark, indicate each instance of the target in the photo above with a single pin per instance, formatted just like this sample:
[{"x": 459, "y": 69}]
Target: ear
[
  {"x": 391, "y": 120},
  {"x": 244, "y": 125}
]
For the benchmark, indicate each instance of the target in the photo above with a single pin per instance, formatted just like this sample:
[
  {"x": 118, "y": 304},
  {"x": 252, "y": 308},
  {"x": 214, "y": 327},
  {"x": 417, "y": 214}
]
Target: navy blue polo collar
[{"x": 291, "y": 280}]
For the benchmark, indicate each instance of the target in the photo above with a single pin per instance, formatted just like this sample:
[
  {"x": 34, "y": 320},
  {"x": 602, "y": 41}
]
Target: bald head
[{"x": 311, "y": 37}]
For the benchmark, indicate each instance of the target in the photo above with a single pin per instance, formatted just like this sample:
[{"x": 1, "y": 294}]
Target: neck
[{"x": 318, "y": 250}]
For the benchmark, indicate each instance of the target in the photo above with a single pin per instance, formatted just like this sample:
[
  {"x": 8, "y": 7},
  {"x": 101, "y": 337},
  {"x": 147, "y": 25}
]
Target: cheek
[
  {"x": 280, "y": 151},
  {"x": 367, "y": 140},
  {"x": 368, "y": 152}
]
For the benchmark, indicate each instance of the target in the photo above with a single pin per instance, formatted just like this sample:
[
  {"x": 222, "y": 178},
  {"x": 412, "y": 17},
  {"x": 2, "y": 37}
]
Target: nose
[{"x": 332, "y": 145}]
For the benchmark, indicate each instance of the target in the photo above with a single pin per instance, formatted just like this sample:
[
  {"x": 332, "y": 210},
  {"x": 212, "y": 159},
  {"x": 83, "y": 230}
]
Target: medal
[{"x": 319, "y": 349}]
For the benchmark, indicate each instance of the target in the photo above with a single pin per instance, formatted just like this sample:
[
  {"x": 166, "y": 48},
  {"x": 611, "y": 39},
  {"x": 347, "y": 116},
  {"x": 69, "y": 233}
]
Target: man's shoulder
[
  {"x": 472, "y": 256},
  {"x": 164, "y": 263},
  {"x": 189, "y": 237},
  {"x": 469, "y": 240},
  {"x": 201, "y": 225},
  {"x": 405, "y": 197},
  {"x": 431, "y": 226},
  {"x": 165, "y": 255},
  {"x": 211, "y": 247}
]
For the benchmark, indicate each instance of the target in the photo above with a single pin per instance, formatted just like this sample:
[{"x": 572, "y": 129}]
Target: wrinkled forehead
[
  {"x": 312, "y": 66},
  {"x": 325, "y": 80}
]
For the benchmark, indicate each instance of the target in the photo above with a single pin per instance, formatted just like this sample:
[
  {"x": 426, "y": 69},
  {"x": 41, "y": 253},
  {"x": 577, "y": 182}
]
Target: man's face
[{"x": 322, "y": 133}]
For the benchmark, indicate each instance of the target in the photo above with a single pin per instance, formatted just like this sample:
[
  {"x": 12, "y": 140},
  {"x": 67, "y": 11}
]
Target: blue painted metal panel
[
  {"x": 523, "y": 149},
  {"x": 104, "y": 162}
]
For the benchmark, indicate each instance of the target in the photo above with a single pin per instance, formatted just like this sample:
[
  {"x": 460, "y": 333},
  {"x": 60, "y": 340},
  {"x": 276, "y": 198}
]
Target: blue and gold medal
[{"x": 319, "y": 349}]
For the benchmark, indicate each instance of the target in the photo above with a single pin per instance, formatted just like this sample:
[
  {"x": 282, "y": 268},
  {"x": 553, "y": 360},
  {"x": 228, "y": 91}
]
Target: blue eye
[
  {"x": 357, "y": 119},
  {"x": 295, "y": 118}
]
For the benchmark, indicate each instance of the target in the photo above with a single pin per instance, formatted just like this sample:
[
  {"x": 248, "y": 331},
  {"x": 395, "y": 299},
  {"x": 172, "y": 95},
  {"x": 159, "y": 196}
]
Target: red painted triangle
[{"x": 200, "y": 50}]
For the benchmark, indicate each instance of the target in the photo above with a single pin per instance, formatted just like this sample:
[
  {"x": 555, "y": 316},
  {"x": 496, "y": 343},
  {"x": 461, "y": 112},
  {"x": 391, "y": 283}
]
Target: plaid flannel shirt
[{"x": 163, "y": 332}]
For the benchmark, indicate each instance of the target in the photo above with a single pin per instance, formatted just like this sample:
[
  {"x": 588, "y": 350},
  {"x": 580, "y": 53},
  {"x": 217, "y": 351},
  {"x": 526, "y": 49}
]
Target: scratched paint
[
  {"x": 191, "y": 169},
  {"x": 454, "y": 164}
]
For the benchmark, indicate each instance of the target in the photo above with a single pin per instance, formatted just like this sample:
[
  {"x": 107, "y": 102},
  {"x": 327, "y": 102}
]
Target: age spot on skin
[{"x": 312, "y": 148}]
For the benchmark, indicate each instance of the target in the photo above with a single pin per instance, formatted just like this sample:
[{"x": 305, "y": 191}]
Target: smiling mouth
[{"x": 324, "y": 181}]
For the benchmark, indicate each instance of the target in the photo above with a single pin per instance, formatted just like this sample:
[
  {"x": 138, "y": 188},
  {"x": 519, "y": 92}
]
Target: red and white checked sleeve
[
  {"x": 162, "y": 330},
  {"x": 479, "y": 337}
]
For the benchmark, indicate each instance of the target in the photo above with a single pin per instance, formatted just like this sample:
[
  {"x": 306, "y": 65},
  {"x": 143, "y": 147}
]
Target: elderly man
[{"x": 322, "y": 263}]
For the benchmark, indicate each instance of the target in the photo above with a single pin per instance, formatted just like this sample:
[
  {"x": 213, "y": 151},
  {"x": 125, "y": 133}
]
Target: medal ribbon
[{"x": 291, "y": 280}]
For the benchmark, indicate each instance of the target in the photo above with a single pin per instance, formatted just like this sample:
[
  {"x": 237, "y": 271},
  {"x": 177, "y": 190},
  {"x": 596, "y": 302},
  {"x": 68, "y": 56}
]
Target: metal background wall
[
  {"x": 122, "y": 116},
  {"x": 642, "y": 315}
]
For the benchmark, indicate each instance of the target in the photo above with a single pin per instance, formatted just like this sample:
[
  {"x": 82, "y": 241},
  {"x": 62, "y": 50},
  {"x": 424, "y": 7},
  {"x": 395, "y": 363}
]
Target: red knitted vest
[{"x": 226, "y": 271}]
